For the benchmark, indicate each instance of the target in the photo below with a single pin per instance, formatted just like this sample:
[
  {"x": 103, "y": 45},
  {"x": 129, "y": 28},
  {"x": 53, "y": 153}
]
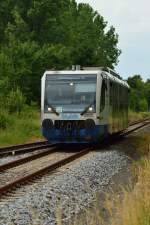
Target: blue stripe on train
[{"x": 76, "y": 136}]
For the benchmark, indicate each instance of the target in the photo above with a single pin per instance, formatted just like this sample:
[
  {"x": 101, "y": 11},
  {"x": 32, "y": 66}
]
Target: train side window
[{"x": 103, "y": 89}]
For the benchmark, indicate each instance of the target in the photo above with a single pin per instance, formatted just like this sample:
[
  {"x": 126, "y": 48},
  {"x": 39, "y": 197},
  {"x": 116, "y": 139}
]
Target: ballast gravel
[{"x": 65, "y": 193}]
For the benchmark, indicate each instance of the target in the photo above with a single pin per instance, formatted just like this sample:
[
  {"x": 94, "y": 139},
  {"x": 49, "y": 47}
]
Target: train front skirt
[{"x": 93, "y": 135}]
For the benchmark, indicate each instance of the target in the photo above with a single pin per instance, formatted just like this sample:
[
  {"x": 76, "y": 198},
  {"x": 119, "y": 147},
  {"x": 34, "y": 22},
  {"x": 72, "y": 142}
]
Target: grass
[
  {"x": 133, "y": 206},
  {"x": 135, "y": 116},
  {"x": 22, "y": 128}
]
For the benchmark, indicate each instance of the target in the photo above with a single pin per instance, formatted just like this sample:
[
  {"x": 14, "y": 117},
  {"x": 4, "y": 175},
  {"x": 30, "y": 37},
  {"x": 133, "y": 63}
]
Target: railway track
[
  {"x": 29, "y": 168},
  {"x": 135, "y": 126},
  {"x": 25, "y": 148},
  {"x": 138, "y": 121},
  {"x": 14, "y": 163}
]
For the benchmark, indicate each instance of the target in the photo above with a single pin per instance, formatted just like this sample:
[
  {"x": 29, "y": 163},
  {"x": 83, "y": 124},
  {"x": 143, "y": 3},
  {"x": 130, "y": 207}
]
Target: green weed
[{"x": 20, "y": 128}]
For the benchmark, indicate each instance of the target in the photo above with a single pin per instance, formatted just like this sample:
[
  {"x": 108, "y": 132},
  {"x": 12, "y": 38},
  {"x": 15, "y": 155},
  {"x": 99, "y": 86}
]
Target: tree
[
  {"x": 36, "y": 35},
  {"x": 139, "y": 93}
]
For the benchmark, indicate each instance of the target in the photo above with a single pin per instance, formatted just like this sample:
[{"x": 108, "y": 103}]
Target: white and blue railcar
[{"x": 83, "y": 106}]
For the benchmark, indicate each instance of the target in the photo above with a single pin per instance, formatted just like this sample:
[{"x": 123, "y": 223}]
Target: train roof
[
  {"x": 117, "y": 80},
  {"x": 112, "y": 75}
]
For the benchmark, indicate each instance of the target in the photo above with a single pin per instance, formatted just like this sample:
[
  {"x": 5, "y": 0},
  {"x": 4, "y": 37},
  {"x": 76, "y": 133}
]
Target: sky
[{"x": 131, "y": 19}]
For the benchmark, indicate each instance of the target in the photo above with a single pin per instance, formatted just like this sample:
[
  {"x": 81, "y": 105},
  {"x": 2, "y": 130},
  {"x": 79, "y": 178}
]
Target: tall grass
[
  {"x": 135, "y": 116},
  {"x": 135, "y": 208},
  {"x": 20, "y": 128},
  {"x": 132, "y": 207}
]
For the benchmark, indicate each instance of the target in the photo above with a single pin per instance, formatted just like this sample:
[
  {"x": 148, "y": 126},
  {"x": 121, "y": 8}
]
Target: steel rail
[
  {"x": 8, "y": 187},
  {"x": 14, "y": 147},
  {"x": 141, "y": 124},
  {"x": 139, "y": 121},
  {"x": 25, "y": 149},
  {"x": 18, "y": 162}
]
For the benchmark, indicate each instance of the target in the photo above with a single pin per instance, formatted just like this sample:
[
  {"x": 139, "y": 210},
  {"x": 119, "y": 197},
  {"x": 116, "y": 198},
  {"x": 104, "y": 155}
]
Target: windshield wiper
[
  {"x": 53, "y": 109},
  {"x": 86, "y": 109}
]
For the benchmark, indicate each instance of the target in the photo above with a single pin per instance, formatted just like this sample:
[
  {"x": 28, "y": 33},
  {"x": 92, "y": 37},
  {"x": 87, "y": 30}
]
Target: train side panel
[{"x": 118, "y": 107}]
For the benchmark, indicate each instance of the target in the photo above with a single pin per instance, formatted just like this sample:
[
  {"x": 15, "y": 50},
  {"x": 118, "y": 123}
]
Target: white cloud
[{"x": 131, "y": 18}]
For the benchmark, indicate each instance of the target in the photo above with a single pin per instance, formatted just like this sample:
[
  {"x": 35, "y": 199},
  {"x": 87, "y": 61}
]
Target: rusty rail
[
  {"x": 18, "y": 162},
  {"x": 141, "y": 124},
  {"x": 13, "y": 147},
  {"x": 40, "y": 172},
  {"x": 21, "y": 149},
  {"x": 138, "y": 121}
]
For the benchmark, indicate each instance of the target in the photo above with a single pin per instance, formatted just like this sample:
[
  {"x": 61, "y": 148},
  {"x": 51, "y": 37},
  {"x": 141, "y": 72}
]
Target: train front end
[{"x": 68, "y": 106}]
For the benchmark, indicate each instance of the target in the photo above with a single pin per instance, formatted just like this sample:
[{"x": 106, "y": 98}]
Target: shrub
[
  {"x": 15, "y": 101},
  {"x": 4, "y": 120},
  {"x": 143, "y": 105}
]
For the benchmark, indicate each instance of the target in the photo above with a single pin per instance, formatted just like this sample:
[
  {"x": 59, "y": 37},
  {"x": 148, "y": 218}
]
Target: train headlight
[
  {"x": 47, "y": 124},
  {"x": 91, "y": 109},
  {"x": 90, "y": 124},
  {"x": 71, "y": 84},
  {"x": 49, "y": 109}
]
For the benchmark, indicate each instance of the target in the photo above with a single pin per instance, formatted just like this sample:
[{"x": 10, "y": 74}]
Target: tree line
[
  {"x": 39, "y": 35},
  {"x": 139, "y": 93},
  {"x": 36, "y": 35}
]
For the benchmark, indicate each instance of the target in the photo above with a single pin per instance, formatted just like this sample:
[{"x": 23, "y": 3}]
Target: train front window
[{"x": 70, "y": 93}]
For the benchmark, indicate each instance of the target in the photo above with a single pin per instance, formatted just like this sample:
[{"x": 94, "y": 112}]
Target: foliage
[
  {"x": 20, "y": 128},
  {"x": 40, "y": 34},
  {"x": 135, "y": 116},
  {"x": 15, "y": 101},
  {"x": 12, "y": 102},
  {"x": 4, "y": 119},
  {"x": 128, "y": 205},
  {"x": 139, "y": 94}
]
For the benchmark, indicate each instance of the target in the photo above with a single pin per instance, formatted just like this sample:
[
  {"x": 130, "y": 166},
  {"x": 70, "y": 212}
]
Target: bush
[
  {"x": 21, "y": 128},
  {"x": 143, "y": 105},
  {"x": 146, "y": 114},
  {"x": 15, "y": 101},
  {"x": 4, "y": 120}
]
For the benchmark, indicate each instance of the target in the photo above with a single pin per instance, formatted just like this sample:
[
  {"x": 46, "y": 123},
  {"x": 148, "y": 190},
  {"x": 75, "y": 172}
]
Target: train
[{"x": 83, "y": 105}]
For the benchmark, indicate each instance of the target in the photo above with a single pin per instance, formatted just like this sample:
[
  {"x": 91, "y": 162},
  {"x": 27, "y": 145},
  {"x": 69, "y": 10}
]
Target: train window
[
  {"x": 103, "y": 89},
  {"x": 70, "y": 93}
]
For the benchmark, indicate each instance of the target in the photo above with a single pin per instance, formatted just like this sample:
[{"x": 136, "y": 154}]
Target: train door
[
  {"x": 104, "y": 100},
  {"x": 115, "y": 117},
  {"x": 110, "y": 119}
]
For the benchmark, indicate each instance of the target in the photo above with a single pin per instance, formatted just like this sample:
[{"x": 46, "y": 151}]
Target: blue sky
[{"x": 131, "y": 18}]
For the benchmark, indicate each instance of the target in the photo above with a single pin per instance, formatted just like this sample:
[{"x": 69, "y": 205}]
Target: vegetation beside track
[
  {"x": 135, "y": 116},
  {"x": 24, "y": 126},
  {"x": 20, "y": 128},
  {"x": 135, "y": 207},
  {"x": 132, "y": 207}
]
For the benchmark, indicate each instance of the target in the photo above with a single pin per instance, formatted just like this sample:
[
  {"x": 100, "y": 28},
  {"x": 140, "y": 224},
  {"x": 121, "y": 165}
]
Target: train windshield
[{"x": 70, "y": 93}]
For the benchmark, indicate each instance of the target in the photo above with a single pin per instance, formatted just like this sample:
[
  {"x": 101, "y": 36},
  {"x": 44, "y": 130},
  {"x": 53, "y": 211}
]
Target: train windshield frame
[{"x": 70, "y": 93}]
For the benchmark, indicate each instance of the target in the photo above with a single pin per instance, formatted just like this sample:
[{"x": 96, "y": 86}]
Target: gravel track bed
[
  {"x": 72, "y": 190},
  {"x": 29, "y": 167}
]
